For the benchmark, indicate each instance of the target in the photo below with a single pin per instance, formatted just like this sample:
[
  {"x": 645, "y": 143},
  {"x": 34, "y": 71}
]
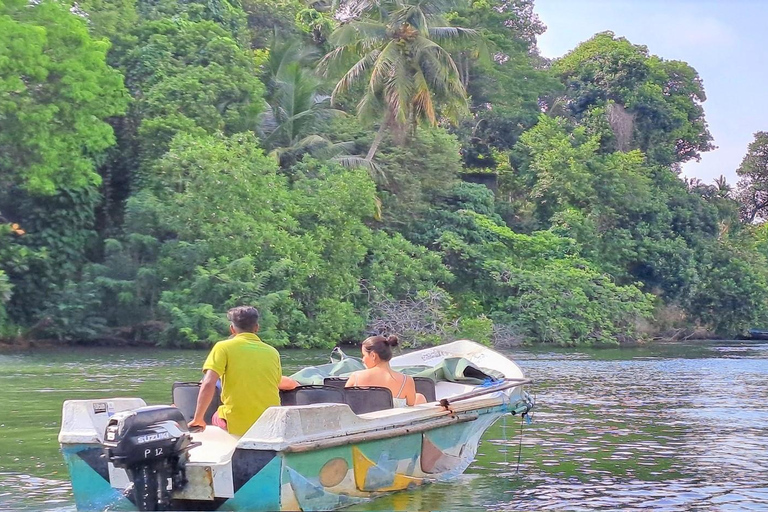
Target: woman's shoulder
[{"x": 356, "y": 377}]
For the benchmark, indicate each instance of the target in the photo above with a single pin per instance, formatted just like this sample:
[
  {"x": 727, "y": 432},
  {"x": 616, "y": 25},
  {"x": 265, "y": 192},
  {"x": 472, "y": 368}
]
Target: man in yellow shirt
[{"x": 250, "y": 374}]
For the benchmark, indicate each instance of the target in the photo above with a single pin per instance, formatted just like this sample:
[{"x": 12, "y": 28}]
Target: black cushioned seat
[
  {"x": 426, "y": 387},
  {"x": 184, "y": 396},
  {"x": 363, "y": 399},
  {"x": 337, "y": 382},
  {"x": 307, "y": 395}
]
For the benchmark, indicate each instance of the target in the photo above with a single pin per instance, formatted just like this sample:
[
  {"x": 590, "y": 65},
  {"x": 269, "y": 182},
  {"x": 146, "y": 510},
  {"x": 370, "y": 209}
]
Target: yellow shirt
[{"x": 250, "y": 373}]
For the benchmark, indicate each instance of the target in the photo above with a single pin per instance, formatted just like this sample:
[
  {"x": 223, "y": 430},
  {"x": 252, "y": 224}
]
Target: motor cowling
[{"x": 151, "y": 444}]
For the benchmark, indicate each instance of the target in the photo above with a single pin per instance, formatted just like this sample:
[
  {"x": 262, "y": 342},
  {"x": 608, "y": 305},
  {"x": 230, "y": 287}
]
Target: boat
[
  {"x": 330, "y": 448},
  {"x": 758, "y": 334}
]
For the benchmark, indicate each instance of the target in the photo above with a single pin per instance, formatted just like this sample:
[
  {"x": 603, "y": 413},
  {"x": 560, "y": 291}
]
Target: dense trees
[
  {"x": 538, "y": 285},
  {"x": 650, "y": 103},
  {"x": 56, "y": 91},
  {"x": 431, "y": 174},
  {"x": 753, "y": 185}
]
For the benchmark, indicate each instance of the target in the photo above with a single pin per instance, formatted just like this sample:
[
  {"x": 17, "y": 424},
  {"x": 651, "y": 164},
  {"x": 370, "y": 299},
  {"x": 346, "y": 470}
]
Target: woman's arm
[
  {"x": 287, "y": 383},
  {"x": 410, "y": 391}
]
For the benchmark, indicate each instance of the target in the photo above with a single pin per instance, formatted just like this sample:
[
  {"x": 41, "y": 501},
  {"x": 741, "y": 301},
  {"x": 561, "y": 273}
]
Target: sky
[{"x": 726, "y": 41}]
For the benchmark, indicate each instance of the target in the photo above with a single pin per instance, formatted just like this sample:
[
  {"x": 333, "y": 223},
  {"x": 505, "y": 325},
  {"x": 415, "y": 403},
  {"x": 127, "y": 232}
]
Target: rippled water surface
[{"x": 666, "y": 427}]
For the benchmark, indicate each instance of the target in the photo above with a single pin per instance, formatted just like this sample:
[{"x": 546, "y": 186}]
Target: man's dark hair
[{"x": 244, "y": 318}]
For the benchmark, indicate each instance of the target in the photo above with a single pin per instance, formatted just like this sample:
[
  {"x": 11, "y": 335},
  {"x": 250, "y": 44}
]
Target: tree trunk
[
  {"x": 377, "y": 140},
  {"x": 464, "y": 63}
]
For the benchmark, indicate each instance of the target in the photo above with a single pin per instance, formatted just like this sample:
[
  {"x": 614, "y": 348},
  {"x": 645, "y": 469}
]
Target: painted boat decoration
[{"x": 123, "y": 455}]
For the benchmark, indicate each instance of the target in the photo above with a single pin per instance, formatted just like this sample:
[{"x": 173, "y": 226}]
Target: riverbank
[{"x": 23, "y": 344}]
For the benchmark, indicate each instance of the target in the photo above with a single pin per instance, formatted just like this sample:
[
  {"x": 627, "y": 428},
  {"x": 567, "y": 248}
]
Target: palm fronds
[{"x": 393, "y": 45}]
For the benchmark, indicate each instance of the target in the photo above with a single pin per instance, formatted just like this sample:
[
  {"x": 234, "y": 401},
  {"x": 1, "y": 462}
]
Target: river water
[{"x": 679, "y": 426}]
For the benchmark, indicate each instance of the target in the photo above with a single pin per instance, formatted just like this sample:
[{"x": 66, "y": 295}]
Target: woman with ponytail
[{"x": 377, "y": 351}]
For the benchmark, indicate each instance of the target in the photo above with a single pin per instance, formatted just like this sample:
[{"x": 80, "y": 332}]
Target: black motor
[{"x": 151, "y": 444}]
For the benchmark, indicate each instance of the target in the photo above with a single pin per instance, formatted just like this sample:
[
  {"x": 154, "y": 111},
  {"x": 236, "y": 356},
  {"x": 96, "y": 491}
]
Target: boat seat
[
  {"x": 184, "y": 396},
  {"x": 363, "y": 399},
  {"x": 313, "y": 394},
  {"x": 426, "y": 387},
  {"x": 337, "y": 382}
]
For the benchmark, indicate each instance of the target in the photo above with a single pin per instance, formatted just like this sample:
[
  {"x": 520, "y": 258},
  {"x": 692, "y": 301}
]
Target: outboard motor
[{"x": 151, "y": 444}]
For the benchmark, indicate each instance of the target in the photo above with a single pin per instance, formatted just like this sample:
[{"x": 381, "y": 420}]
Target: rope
[
  {"x": 523, "y": 417},
  {"x": 506, "y": 438},
  {"x": 520, "y": 445}
]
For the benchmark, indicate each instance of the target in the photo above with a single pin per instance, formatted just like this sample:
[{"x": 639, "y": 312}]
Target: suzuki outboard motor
[{"x": 151, "y": 444}]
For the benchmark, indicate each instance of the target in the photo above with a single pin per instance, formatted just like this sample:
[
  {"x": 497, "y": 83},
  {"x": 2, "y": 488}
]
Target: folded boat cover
[
  {"x": 451, "y": 369},
  {"x": 454, "y": 369},
  {"x": 316, "y": 374}
]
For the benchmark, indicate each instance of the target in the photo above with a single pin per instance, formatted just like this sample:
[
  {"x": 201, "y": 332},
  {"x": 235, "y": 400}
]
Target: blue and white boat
[{"x": 335, "y": 447}]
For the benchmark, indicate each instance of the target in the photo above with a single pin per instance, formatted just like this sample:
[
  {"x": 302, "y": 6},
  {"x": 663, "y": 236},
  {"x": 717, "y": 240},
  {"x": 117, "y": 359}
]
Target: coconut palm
[
  {"x": 297, "y": 110},
  {"x": 295, "y": 106},
  {"x": 393, "y": 46},
  {"x": 723, "y": 188}
]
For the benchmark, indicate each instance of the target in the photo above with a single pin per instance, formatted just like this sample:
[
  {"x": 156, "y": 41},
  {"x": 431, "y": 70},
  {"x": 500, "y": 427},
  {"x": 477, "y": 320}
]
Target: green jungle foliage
[
  {"x": 353, "y": 168},
  {"x": 753, "y": 183},
  {"x": 56, "y": 90}
]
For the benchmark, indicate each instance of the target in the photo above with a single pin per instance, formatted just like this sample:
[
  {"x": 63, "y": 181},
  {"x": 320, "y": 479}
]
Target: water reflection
[
  {"x": 675, "y": 427},
  {"x": 667, "y": 427},
  {"x": 37, "y": 493}
]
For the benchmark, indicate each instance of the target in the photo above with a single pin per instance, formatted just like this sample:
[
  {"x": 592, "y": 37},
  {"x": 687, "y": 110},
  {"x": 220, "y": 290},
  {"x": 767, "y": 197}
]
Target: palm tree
[
  {"x": 722, "y": 187},
  {"x": 392, "y": 46},
  {"x": 297, "y": 109}
]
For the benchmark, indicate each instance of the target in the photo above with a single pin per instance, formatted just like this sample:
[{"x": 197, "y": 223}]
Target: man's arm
[
  {"x": 287, "y": 383},
  {"x": 207, "y": 390}
]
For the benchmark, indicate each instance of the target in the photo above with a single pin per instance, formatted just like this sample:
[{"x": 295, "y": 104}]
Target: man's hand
[
  {"x": 196, "y": 425},
  {"x": 204, "y": 397}
]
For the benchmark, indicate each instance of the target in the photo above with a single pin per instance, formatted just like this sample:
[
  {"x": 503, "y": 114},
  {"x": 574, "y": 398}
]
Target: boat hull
[
  {"x": 303, "y": 477},
  {"x": 339, "y": 476}
]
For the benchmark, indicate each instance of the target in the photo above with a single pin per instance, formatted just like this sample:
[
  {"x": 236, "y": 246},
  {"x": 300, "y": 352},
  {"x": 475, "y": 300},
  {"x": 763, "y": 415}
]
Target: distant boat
[
  {"x": 758, "y": 334},
  {"x": 327, "y": 447}
]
